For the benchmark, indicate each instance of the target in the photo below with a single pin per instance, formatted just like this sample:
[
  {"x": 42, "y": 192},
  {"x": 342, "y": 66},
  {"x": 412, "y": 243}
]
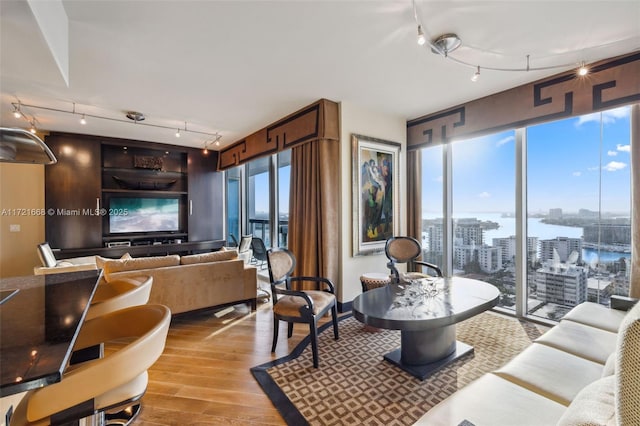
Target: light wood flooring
[{"x": 203, "y": 376}]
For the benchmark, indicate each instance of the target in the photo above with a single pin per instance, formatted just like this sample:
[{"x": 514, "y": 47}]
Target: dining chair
[
  {"x": 406, "y": 250},
  {"x": 106, "y": 384},
  {"x": 293, "y": 306},
  {"x": 259, "y": 251}
]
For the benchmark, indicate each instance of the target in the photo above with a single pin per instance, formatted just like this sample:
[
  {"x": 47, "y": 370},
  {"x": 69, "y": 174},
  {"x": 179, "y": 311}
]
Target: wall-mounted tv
[{"x": 129, "y": 215}]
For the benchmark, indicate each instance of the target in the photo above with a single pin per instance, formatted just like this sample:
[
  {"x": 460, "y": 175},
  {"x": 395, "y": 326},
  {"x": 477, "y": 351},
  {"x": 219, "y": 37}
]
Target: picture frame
[{"x": 376, "y": 201}]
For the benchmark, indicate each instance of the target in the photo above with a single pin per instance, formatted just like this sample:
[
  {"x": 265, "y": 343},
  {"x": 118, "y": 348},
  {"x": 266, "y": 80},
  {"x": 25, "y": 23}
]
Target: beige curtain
[
  {"x": 634, "y": 290},
  {"x": 314, "y": 208},
  {"x": 414, "y": 194}
]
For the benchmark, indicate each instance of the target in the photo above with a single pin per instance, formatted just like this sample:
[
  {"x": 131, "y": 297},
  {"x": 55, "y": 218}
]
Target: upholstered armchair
[{"x": 294, "y": 306}]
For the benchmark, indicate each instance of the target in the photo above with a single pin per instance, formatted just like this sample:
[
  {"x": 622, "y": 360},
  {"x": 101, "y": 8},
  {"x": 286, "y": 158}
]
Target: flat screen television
[{"x": 128, "y": 215}]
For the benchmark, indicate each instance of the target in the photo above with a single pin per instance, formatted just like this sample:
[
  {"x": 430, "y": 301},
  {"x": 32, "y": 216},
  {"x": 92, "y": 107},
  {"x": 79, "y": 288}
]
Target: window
[
  {"x": 578, "y": 211},
  {"x": 266, "y": 204}
]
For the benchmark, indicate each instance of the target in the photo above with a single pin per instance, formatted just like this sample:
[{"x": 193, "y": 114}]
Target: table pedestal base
[{"x": 425, "y": 370}]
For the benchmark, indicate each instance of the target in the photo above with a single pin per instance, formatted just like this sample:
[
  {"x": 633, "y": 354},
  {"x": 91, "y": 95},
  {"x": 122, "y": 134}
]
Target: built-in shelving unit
[{"x": 106, "y": 190}]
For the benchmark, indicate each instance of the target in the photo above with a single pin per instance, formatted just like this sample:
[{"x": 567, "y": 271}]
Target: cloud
[
  {"x": 614, "y": 166},
  {"x": 612, "y": 153},
  {"x": 484, "y": 194},
  {"x": 438, "y": 179},
  {"x": 593, "y": 169},
  {"x": 577, "y": 174},
  {"x": 505, "y": 140},
  {"x": 623, "y": 148},
  {"x": 608, "y": 117}
]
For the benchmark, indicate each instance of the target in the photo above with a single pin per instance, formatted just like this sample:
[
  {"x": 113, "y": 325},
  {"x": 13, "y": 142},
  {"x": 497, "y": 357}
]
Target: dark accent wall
[{"x": 609, "y": 84}]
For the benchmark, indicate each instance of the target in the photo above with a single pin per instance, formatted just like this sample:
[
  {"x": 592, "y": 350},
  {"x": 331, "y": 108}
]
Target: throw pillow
[
  {"x": 628, "y": 369},
  {"x": 100, "y": 261},
  {"x": 133, "y": 264},
  {"x": 214, "y": 256},
  {"x": 592, "y": 406}
]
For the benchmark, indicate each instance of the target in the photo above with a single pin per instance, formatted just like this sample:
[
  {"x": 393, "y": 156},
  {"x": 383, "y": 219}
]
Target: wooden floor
[{"x": 203, "y": 376}]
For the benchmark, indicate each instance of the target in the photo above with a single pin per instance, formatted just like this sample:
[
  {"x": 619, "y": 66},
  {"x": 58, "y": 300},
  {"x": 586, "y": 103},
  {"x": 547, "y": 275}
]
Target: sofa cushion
[
  {"x": 582, "y": 340},
  {"x": 596, "y": 315},
  {"x": 491, "y": 400},
  {"x": 593, "y": 406},
  {"x": 550, "y": 372},
  {"x": 627, "y": 374},
  {"x": 101, "y": 260},
  {"x": 214, "y": 256},
  {"x": 136, "y": 263}
]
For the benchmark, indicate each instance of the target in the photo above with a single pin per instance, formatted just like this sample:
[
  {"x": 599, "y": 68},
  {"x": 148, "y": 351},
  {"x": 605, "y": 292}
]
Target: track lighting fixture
[
  {"x": 215, "y": 141},
  {"x": 476, "y": 75},
  {"x": 445, "y": 44},
  {"x": 16, "y": 110},
  {"x": 422, "y": 39},
  {"x": 134, "y": 117},
  {"x": 583, "y": 70}
]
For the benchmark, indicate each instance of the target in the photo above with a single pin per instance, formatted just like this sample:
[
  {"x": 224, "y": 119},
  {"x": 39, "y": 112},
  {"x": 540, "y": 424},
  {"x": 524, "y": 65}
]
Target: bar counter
[{"x": 40, "y": 317}]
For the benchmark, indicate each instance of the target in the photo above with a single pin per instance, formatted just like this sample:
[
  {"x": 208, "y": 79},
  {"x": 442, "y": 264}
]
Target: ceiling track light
[
  {"x": 422, "y": 39},
  {"x": 83, "y": 120},
  {"x": 215, "y": 141},
  {"x": 476, "y": 75},
  {"x": 445, "y": 44},
  {"x": 133, "y": 116},
  {"x": 17, "y": 113}
]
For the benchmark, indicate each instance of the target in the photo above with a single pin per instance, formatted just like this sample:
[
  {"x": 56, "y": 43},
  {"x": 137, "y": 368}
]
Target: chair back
[
  {"x": 259, "y": 249},
  {"x": 281, "y": 263},
  {"x": 245, "y": 243},
  {"x": 401, "y": 250},
  {"x": 119, "y": 294},
  {"x": 119, "y": 376}
]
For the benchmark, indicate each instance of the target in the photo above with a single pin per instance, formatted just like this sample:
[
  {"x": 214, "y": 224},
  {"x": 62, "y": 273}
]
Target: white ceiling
[{"x": 234, "y": 67}]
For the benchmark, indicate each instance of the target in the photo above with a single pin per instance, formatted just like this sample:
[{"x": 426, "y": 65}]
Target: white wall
[{"x": 358, "y": 120}]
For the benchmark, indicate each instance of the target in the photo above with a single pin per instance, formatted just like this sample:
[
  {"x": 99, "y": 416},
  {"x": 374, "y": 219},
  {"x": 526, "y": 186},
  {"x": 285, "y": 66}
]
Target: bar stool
[
  {"x": 118, "y": 379},
  {"x": 371, "y": 280}
]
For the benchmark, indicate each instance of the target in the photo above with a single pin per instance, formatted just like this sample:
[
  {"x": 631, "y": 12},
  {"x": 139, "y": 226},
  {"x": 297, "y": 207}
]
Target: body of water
[{"x": 544, "y": 231}]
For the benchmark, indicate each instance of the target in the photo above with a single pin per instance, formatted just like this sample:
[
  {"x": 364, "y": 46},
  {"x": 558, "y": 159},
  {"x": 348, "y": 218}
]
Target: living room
[{"x": 363, "y": 110}]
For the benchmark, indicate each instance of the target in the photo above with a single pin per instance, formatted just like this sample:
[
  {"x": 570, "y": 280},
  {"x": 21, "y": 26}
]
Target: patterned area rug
[{"x": 354, "y": 385}]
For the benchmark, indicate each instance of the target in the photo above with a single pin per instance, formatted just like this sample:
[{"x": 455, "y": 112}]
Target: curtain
[
  {"x": 414, "y": 194},
  {"x": 314, "y": 200},
  {"x": 634, "y": 290}
]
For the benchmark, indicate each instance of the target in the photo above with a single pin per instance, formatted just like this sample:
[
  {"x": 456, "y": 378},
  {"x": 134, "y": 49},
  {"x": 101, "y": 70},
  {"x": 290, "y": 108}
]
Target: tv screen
[{"x": 129, "y": 215}]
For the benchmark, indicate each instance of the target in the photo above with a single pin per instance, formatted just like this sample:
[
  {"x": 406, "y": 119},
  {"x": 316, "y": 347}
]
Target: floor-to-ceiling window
[
  {"x": 483, "y": 207},
  {"x": 577, "y": 232},
  {"x": 258, "y": 198},
  {"x": 579, "y": 205},
  {"x": 284, "y": 174},
  {"x": 234, "y": 203},
  {"x": 264, "y": 212}
]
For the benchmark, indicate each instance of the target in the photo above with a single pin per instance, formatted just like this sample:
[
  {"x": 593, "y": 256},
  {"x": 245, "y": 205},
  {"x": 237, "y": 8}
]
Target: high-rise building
[
  {"x": 563, "y": 246},
  {"x": 561, "y": 283}
]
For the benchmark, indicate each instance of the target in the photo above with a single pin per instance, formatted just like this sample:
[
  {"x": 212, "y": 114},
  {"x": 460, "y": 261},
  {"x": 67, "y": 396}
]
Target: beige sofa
[
  {"x": 190, "y": 282},
  {"x": 584, "y": 371}
]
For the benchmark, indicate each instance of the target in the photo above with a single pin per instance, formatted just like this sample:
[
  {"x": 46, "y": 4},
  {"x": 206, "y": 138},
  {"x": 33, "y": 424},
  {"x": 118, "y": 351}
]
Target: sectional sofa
[{"x": 584, "y": 371}]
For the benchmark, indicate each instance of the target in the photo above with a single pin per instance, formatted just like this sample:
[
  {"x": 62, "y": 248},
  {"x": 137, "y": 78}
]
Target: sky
[{"x": 564, "y": 161}]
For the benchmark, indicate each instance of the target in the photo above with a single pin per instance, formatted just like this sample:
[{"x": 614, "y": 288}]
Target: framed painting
[{"x": 375, "y": 193}]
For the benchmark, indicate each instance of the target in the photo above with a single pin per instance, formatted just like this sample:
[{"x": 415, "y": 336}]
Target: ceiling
[{"x": 233, "y": 67}]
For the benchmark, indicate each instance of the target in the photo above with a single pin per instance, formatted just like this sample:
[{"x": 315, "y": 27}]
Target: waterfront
[{"x": 543, "y": 231}]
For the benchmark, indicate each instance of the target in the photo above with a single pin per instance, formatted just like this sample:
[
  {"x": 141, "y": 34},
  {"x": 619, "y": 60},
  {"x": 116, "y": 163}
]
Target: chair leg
[
  {"x": 313, "y": 334},
  {"x": 276, "y": 323},
  {"x": 290, "y": 330},
  {"x": 334, "y": 319}
]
